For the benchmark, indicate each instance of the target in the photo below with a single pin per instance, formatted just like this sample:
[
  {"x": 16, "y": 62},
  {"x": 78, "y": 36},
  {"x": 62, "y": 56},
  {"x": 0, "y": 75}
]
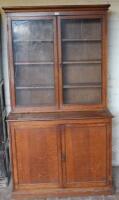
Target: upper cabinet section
[{"x": 57, "y": 58}]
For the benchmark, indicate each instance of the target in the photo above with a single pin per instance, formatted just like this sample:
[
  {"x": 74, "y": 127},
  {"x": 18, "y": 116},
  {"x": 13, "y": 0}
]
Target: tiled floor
[{"x": 5, "y": 194}]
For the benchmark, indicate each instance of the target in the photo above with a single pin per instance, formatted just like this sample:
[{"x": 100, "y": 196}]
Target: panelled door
[
  {"x": 37, "y": 155},
  {"x": 86, "y": 155},
  {"x": 52, "y": 156}
]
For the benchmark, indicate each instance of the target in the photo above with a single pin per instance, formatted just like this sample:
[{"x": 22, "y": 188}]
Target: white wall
[
  {"x": 113, "y": 58},
  {"x": 113, "y": 75}
]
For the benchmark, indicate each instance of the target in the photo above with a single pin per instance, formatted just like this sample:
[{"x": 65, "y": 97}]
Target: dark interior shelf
[
  {"x": 33, "y": 41},
  {"x": 64, "y": 63},
  {"x": 83, "y": 85},
  {"x": 34, "y": 63},
  {"x": 82, "y": 62},
  {"x": 34, "y": 87},
  {"x": 81, "y": 40}
]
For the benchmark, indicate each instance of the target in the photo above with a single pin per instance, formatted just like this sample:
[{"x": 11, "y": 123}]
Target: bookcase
[{"x": 59, "y": 124}]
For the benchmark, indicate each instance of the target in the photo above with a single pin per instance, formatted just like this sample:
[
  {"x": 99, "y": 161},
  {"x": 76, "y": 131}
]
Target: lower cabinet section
[{"x": 61, "y": 157}]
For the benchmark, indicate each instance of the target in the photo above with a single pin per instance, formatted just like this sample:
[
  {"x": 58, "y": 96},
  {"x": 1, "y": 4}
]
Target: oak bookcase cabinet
[{"x": 59, "y": 124}]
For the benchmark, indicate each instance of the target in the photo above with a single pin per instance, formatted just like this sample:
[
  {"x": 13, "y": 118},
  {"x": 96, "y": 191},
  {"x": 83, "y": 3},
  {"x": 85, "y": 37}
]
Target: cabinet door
[
  {"x": 33, "y": 46},
  {"x": 81, "y": 59},
  {"x": 36, "y": 155},
  {"x": 86, "y": 155}
]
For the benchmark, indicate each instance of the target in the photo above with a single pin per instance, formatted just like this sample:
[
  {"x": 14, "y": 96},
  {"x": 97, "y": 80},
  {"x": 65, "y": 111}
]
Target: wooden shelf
[
  {"x": 33, "y": 41},
  {"x": 64, "y": 63},
  {"x": 81, "y": 40},
  {"x": 82, "y": 62},
  {"x": 34, "y": 63},
  {"x": 83, "y": 85},
  {"x": 35, "y": 87}
]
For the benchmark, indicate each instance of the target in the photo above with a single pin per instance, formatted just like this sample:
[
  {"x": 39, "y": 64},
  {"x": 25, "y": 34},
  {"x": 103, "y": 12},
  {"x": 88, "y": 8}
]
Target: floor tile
[{"x": 110, "y": 197}]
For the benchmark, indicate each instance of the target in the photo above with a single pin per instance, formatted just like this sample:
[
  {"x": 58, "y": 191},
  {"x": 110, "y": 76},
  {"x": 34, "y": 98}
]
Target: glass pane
[
  {"x": 81, "y": 60},
  {"x": 33, "y": 51},
  {"x": 33, "y": 45},
  {"x": 81, "y": 73},
  {"x": 82, "y": 95},
  {"x": 34, "y": 97},
  {"x": 89, "y": 29},
  {"x": 34, "y": 75}
]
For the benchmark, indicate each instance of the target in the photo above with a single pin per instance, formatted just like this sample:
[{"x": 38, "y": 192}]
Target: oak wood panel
[
  {"x": 100, "y": 7},
  {"x": 37, "y": 155},
  {"x": 103, "y": 114},
  {"x": 86, "y": 154},
  {"x": 72, "y": 192}
]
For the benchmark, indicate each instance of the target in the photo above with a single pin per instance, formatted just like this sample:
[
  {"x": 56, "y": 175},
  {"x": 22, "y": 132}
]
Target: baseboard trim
[{"x": 22, "y": 195}]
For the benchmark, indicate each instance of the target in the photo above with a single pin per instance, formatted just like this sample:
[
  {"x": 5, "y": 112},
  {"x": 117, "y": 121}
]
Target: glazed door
[
  {"x": 57, "y": 62},
  {"x": 81, "y": 49},
  {"x": 36, "y": 152},
  {"x": 86, "y": 155},
  {"x": 34, "y": 63}
]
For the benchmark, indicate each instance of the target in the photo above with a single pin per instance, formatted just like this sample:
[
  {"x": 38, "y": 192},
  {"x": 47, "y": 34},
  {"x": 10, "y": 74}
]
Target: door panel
[
  {"x": 38, "y": 155},
  {"x": 85, "y": 155}
]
